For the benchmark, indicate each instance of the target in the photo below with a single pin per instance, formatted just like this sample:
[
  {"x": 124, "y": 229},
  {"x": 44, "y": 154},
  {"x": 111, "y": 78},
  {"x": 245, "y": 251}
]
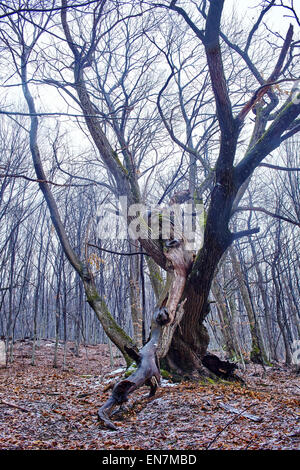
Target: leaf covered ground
[{"x": 42, "y": 407}]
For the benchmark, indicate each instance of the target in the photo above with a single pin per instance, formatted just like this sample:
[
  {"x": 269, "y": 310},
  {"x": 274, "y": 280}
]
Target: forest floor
[{"x": 42, "y": 407}]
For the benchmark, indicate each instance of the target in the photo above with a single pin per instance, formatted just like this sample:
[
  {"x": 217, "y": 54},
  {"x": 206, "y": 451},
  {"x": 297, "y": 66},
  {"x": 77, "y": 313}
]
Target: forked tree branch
[
  {"x": 35, "y": 180},
  {"x": 269, "y": 141},
  {"x": 271, "y": 80},
  {"x": 125, "y": 178},
  {"x": 265, "y": 211}
]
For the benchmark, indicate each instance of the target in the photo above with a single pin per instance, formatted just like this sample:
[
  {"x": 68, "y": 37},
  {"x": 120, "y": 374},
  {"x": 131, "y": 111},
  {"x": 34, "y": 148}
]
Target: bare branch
[
  {"x": 245, "y": 233},
  {"x": 257, "y": 23},
  {"x": 117, "y": 252},
  {"x": 35, "y": 180},
  {"x": 274, "y": 75},
  {"x": 265, "y": 211},
  {"x": 281, "y": 168},
  {"x": 199, "y": 33},
  {"x": 55, "y": 216},
  {"x": 290, "y": 133},
  {"x": 270, "y": 140},
  {"x": 44, "y": 10}
]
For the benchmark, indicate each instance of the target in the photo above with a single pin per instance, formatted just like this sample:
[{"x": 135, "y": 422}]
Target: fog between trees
[{"x": 105, "y": 99}]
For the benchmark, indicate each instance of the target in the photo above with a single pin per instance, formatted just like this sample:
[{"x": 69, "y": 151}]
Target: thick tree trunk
[
  {"x": 178, "y": 338},
  {"x": 190, "y": 340}
]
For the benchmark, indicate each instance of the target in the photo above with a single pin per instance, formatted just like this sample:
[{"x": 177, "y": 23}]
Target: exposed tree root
[
  {"x": 147, "y": 373},
  {"x": 223, "y": 369}
]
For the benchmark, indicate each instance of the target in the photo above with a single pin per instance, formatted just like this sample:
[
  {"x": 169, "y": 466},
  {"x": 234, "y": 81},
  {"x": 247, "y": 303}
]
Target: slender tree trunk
[
  {"x": 224, "y": 320},
  {"x": 264, "y": 297},
  {"x": 35, "y": 323},
  {"x": 78, "y": 316},
  {"x": 9, "y": 326},
  {"x": 135, "y": 300},
  {"x": 37, "y": 299},
  {"x": 65, "y": 320},
  {"x": 257, "y": 353},
  {"x": 280, "y": 319},
  {"x": 57, "y": 310}
]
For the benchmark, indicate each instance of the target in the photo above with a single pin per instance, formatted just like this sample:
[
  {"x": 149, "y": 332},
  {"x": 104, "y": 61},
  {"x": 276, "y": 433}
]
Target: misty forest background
[{"x": 150, "y": 85}]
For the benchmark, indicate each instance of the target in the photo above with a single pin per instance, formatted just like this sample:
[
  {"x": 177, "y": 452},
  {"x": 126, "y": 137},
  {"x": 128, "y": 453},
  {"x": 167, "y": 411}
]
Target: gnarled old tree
[{"x": 178, "y": 337}]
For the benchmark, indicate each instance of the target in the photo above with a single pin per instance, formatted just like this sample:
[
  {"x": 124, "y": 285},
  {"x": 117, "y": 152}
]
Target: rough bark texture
[{"x": 190, "y": 340}]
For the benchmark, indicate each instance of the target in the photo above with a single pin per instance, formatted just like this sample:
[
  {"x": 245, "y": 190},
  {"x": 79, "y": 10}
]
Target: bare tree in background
[{"x": 178, "y": 336}]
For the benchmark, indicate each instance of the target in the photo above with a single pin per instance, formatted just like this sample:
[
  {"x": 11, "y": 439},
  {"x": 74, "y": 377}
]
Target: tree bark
[
  {"x": 257, "y": 353},
  {"x": 229, "y": 346},
  {"x": 135, "y": 300}
]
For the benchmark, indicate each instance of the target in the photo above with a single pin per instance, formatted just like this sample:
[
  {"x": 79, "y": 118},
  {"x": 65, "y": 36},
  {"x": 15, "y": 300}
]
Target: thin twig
[
  {"x": 118, "y": 252},
  {"x": 227, "y": 425},
  {"x": 36, "y": 180},
  {"x": 12, "y": 405}
]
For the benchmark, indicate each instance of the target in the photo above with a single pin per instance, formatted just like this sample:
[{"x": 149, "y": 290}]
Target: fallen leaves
[{"x": 61, "y": 409}]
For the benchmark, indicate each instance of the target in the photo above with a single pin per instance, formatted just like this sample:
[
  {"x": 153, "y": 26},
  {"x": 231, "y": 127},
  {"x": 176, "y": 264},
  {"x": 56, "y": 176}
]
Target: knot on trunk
[{"x": 161, "y": 316}]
